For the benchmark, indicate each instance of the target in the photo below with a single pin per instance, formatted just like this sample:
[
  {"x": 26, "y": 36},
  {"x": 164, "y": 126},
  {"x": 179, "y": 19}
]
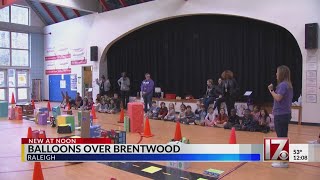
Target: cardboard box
[
  {"x": 136, "y": 116},
  {"x": 4, "y": 108}
]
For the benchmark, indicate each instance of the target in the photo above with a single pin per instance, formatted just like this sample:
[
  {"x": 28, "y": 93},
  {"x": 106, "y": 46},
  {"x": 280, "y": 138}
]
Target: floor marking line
[
  {"x": 303, "y": 164},
  {"x": 166, "y": 173},
  {"x": 232, "y": 170},
  {"x": 184, "y": 178},
  {"x": 135, "y": 165}
]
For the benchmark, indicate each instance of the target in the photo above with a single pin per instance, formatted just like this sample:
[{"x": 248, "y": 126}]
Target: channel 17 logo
[{"x": 276, "y": 149}]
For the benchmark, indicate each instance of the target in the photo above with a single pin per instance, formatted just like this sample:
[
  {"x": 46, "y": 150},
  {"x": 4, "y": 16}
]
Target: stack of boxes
[
  {"x": 135, "y": 111},
  {"x": 79, "y": 118},
  {"x": 176, "y": 164},
  {"x": 126, "y": 124},
  {"x": 4, "y": 108},
  {"x": 42, "y": 119},
  {"x": 56, "y": 112},
  {"x": 66, "y": 119},
  {"x": 85, "y": 124},
  {"x": 11, "y": 113},
  {"x": 117, "y": 137},
  {"x": 18, "y": 113},
  {"x": 95, "y": 131}
]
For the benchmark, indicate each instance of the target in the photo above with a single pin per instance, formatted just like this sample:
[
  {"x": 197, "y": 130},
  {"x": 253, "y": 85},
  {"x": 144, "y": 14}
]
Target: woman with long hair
[
  {"x": 281, "y": 110},
  {"x": 230, "y": 89}
]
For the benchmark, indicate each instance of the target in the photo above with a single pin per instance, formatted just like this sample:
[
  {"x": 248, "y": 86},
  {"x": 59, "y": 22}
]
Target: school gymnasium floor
[{"x": 11, "y": 166}]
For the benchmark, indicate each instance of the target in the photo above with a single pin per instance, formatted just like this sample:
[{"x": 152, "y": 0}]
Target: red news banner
[{"x": 66, "y": 141}]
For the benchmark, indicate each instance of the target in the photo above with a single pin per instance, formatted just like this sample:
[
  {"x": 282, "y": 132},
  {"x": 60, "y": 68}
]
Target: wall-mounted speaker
[
  {"x": 94, "y": 53},
  {"x": 311, "y": 36}
]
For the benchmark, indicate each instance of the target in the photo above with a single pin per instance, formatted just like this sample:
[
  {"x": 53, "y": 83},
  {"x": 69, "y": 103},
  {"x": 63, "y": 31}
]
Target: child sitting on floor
[
  {"x": 256, "y": 113},
  {"x": 113, "y": 109},
  {"x": 103, "y": 107},
  {"x": 233, "y": 119},
  {"x": 182, "y": 114},
  {"x": 209, "y": 119},
  {"x": 117, "y": 101},
  {"x": 153, "y": 111},
  {"x": 264, "y": 121},
  {"x": 90, "y": 103},
  {"x": 198, "y": 110},
  {"x": 85, "y": 104},
  {"x": 171, "y": 116},
  {"x": 221, "y": 119},
  {"x": 190, "y": 116},
  {"x": 163, "y": 111},
  {"x": 247, "y": 123},
  {"x": 202, "y": 115},
  {"x": 65, "y": 100}
]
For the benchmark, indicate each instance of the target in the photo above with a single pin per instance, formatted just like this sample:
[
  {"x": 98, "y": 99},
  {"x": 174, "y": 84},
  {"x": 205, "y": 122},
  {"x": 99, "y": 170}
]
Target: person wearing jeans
[
  {"x": 210, "y": 95},
  {"x": 282, "y": 105},
  {"x": 124, "y": 83},
  {"x": 147, "y": 87}
]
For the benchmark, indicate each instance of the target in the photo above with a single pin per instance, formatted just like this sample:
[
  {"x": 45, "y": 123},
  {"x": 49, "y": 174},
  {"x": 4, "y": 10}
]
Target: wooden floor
[{"x": 12, "y": 168}]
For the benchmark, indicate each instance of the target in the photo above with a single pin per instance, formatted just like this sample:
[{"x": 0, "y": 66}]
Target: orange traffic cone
[
  {"x": 232, "y": 139},
  {"x": 33, "y": 105},
  {"x": 49, "y": 106},
  {"x": 37, "y": 171},
  {"x": 147, "y": 130},
  {"x": 29, "y": 133},
  {"x": 121, "y": 116},
  {"x": 177, "y": 134},
  {"x": 93, "y": 113},
  {"x": 12, "y": 99}
]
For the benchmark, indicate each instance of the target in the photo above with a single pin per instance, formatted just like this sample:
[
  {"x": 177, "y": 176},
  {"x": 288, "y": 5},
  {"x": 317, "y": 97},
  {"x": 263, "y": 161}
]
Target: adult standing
[
  {"x": 230, "y": 89},
  {"x": 147, "y": 87},
  {"x": 281, "y": 110},
  {"x": 210, "y": 95},
  {"x": 104, "y": 85},
  {"x": 219, "y": 93},
  {"x": 124, "y": 83}
]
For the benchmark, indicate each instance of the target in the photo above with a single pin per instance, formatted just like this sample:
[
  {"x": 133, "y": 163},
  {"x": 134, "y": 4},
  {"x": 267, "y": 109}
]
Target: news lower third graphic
[{"x": 100, "y": 150}]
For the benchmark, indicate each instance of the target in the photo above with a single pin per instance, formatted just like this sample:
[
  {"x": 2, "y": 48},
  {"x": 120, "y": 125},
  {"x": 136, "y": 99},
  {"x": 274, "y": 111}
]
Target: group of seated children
[
  {"x": 257, "y": 120},
  {"x": 104, "y": 104},
  {"x": 85, "y": 103},
  {"x": 108, "y": 105}
]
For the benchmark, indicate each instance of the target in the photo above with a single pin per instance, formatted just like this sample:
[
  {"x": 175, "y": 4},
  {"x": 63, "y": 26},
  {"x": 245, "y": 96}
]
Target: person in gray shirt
[{"x": 124, "y": 83}]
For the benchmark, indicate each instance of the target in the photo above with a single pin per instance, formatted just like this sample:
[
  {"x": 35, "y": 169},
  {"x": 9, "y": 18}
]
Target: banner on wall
[
  {"x": 73, "y": 82},
  {"x": 59, "y": 71},
  {"x": 57, "y": 61},
  {"x": 53, "y": 54},
  {"x": 78, "y": 56}
]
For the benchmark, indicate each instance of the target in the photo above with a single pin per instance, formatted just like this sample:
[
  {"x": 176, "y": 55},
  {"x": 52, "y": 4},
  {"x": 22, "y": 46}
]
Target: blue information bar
[{"x": 146, "y": 157}]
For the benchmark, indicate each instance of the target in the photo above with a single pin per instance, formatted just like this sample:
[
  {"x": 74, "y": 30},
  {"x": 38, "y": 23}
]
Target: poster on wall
[
  {"x": 73, "y": 82},
  {"x": 22, "y": 78},
  {"x": 311, "y": 90},
  {"x": 63, "y": 84},
  {"x": 311, "y": 98},
  {"x": 311, "y": 82},
  {"x": 311, "y": 74},
  {"x": 312, "y": 66},
  {"x": 2, "y": 83},
  {"x": 78, "y": 56}
]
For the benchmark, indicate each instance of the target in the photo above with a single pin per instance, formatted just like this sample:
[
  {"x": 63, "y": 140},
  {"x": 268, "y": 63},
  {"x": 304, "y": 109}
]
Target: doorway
[{"x": 87, "y": 81}]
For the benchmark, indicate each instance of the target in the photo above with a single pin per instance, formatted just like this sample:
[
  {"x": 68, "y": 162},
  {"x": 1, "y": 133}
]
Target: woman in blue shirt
[{"x": 282, "y": 105}]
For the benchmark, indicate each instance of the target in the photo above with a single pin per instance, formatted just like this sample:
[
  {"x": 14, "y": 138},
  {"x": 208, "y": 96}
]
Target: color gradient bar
[{"x": 147, "y": 157}]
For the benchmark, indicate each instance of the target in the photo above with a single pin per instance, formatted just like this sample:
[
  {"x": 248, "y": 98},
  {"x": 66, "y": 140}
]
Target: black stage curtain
[{"x": 182, "y": 53}]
